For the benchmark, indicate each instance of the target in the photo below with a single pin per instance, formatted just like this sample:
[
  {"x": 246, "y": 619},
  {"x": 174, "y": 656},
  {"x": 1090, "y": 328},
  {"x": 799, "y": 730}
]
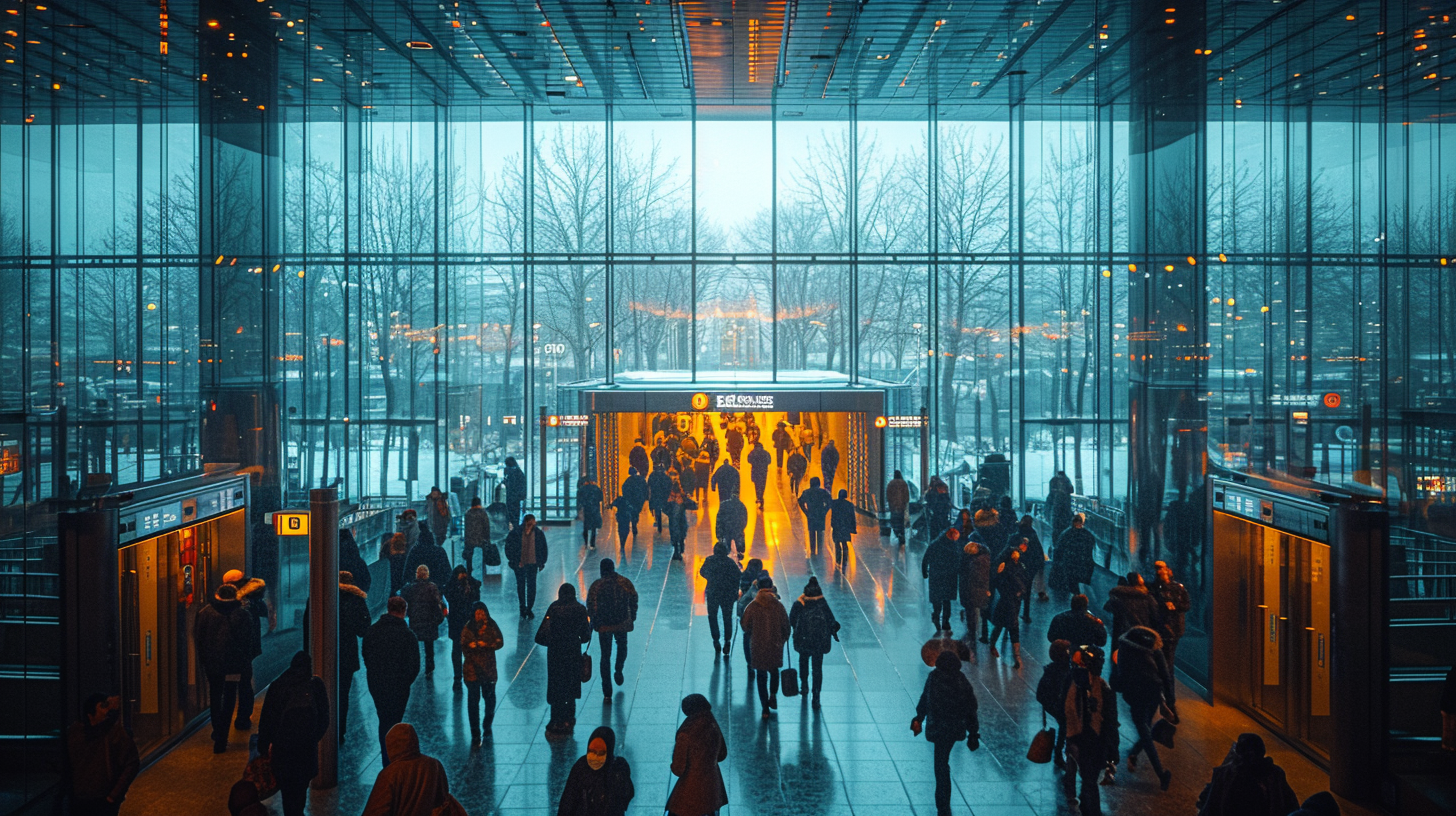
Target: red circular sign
[
  {"x": 881, "y": 422},
  {"x": 1332, "y": 400}
]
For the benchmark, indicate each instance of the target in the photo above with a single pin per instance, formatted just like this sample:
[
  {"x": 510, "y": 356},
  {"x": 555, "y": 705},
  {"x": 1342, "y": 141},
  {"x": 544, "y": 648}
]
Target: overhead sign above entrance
[
  {"x": 623, "y": 400},
  {"x": 900, "y": 421},
  {"x": 743, "y": 402}
]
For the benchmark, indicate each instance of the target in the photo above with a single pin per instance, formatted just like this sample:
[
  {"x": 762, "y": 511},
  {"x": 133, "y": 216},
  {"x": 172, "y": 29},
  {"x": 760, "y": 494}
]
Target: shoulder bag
[{"x": 1042, "y": 744}]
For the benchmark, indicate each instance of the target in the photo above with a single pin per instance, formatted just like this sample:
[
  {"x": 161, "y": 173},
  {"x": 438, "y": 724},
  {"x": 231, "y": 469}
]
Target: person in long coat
[
  {"x": 411, "y": 783},
  {"x": 814, "y": 502},
  {"x": 659, "y": 487},
  {"x": 678, "y": 505},
  {"x": 427, "y": 611},
  {"x": 829, "y": 464},
  {"x": 563, "y": 632},
  {"x": 461, "y": 592},
  {"x": 353, "y": 626},
  {"x": 637, "y": 458},
  {"x": 948, "y": 712},
  {"x": 797, "y": 467},
  {"x": 696, "y": 752},
  {"x": 1034, "y": 562},
  {"x": 897, "y": 501},
  {"x": 294, "y": 719},
  {"x": 1140, "y": 673},
  {"x": 391, "y": 663},
  {"x": 975, "y": 584},
  {"x": 759, "y": 460},
  {"x": 1072, "y": 559},
  {"x": 600, "y": 783},
  {"x": 430, "y": 554},
  {"x": 843, "y": 524},
  {"x": 765, "y": 624},
  {"x": 732, "y": 520},
  {"x": 1010, "y": 586},
  {"x": 634, "y": 489},
  {"x": 589, "y": 510},
  {"x": 814, "y": 627},
  {"x": 479, "y": 639},
  {"x": 941, "y": 566}
]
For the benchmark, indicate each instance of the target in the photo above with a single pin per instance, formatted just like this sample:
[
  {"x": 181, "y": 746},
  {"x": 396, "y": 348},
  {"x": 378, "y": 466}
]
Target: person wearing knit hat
[
  {"x": 948, "y": 712},
  {"x": 223, "y": 649},
  {"x": 251, "y": 595},
  {"x": 765, "y": 625},
  {"x": 813, "y": 624}
]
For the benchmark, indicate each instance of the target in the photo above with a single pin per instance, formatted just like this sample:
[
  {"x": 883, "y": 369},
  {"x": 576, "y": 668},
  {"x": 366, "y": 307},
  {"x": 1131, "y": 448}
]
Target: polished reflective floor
[{"x": 856, "y": 755}]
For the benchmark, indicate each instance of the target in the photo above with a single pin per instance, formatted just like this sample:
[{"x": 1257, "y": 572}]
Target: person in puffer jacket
[{"x": 1140, "y": 674}]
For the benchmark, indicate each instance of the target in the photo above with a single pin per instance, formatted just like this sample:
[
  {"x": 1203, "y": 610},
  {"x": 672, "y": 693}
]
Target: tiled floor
[{"x": 856, "y": 755}]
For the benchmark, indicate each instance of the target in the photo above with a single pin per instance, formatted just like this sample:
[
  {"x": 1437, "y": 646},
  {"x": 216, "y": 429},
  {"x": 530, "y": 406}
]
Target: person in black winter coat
[
  {"x": 1248, "y": 783},
  {"x": 1173, "y": 604},
  {"x": 759, "y": 460},
  {"x": 526, "y": 555},
  {"x": 391, "y": 663},
  {"x": 427, "y": 611},
  {"x": 1051, "y": 692},
  {"x": 223, "y": 634},
  {"x": 431, "y": 555},
  {"x": 515, "y": 484},
  {"x": 589, "y": 510},
  {"x": 678, "y": 505},
  {"x": 992, "y": 534},
  {"x": 829, "y": 463},
  {"x": 353, "y": 625},
  {"x": 797, "y": 467},
  {"x": 843, "y": 524},
  {"x": 1130, "y": 605},
  {"x": 352, "y": 562},
  {"x": 1034, "y": 560},
  {"x": 814, "y": 502},
  {"x": 563, "y": 632},
  {"x": 813, "y": 625},
  {"x": 1072, "y": 561},
  {"x": 295, "y": 718},
  {"x": 659, "y": 487},
  {"x": 461, "y": 593},
  {"x": 101, "y": 759},
  {"x": 975, "y": 585},
  {"x": 948, "y": 712},
  {"x": 1010, "y": 580},
  {"x": 611, "y": 603},
  {"x": 637, "y": 458},
  {"x": 634, "y": 489},
  {"x": 600, "y": 783},
  {"x": 941, "y": 565},
  {"x": 1077, "y": 626},
  {"x": 625, "y": 513},
  {"x": 720, "y": 575},
  {"x": 937, "y": 507},
  {"x": 1140, "y": 674},
  {"x": 1091, "y": 722}
]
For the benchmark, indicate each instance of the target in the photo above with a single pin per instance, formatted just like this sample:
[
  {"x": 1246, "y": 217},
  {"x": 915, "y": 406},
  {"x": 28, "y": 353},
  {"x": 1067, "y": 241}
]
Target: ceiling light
[
  {"x": 882, "y": 57},
  {"x": 569, "y": 78},
  {"x": 419, "y": 45},
  {"x": 212, "y": 24}
]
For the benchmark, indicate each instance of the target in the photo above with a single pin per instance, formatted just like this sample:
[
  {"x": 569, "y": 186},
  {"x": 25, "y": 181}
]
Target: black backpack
[
  {"x": 300, "y": 716},
  {"x": 814, "y": 624}
]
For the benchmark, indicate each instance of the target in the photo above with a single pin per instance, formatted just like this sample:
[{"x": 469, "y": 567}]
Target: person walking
[
  {"x": 427, "y": 553},
  {"x": 813, "y": 625},
  {"x": 410, "y": 784},
  {"x": 897, "y": 501},
  {"x": 975, "y": 586},
  {"x": 1072, "y": 559},
  {"x": 814, "y": 502},
  {"x": 1059, "y": 504},
  {"x": 395, "y": 548},
  {"x": 747, "y": 589},
  {"x": 1077, "y": 626},
  {"x": 461, "y": 592},
  {"x": 702, "y": 473},
  {"x": 252, "y": 594},
  {"x": 634, "y": 488},
  {"x": 758, "y": 461},
  {"x": 829, "y": 463},
  {"x": 515, "y": 483},
  {"x": 659, "y": 487},
  {"x": 353, "y": 625},
  {"x": 1050, "y": 690},
  {"x": 427, "y": 611},
  {"x": 765, "y": 624},
  {"x": 221, "y": 636},
  {"x": 625, "y": 513},
  {"x": 1010, "y": 587},
  {"x": 726, "y": 479},
  {"x": 391, "y": 663},
  {"x": 797, "y": 467},
  {"x": 637, "y": 458},
  {"x": 294, "y": 720},
  {"x": 733, "y": 441},
  {"x": 1034, "y": 561},
  {"x": 480, "y": 638},
  {"x": 1173, "y": 605},
  {"x": 678, "y": 505},
  {"x": 526, "y": 555},
  {"x": 698, "y": 748},
  {"x": 1091, "y": 723},
  {"x": 806, "y": 440},
  {"x": 937, "y": 508},
  {"x": 589, "y": 510},
  {"x": 1140, "y": 674},
  {"x": 611, "y": 603},
  {"x": 843, "y": 523},
  {"x": 661, "y": 457},
  {"x": 720, "y": 589},
  {"x": 437, "y": 511},
  {"x": 600, "y": 783},
  {"x": 992, "y": 534},
  {"x": 477, "y": 534},
  {"x": 782, "y": 442},
  {"x": 947, "y": 712},
  {"x": 101, "y": 758},
  {"x": 732, "y": 521},
  {"x": 352, "y": 561},
  {"x": 563, "y": 632},
  {"x": 940, "y": 565},
  {"x": 1130, "y": 605},
  {"x": 1248, "y": 783}
]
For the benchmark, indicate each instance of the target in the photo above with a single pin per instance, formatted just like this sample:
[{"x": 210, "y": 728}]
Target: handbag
[
  {"x": 259, "y": 771},
  {"x": 490, "y": 554},
  {"x": 543, "y": 632},
  {"x": 1163, "y": 732},
  {"x": 1042, "y": 744},
  {"x": 586, "y": 665},
  {"x": 789, "y": 678}
]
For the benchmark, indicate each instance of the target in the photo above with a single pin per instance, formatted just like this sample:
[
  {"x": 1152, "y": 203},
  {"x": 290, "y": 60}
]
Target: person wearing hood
[
  {"x": 252, "y": 594},
  {"x": 814, "y": 502},
  {"x": 427, "y": 610},
  {"x": 611, "y": 603},
  {"x": 1131, "y": 605},
  {"x": 759, "y": 460},
  {"x": 814, "y": 627},
  {"x": 843, "y": 524},
  {"x": 697, "y": 751},
  {"x": 765, "y": 624},
  {"x": 391, "y": 663},
  {"x": 797, "y": 467},
  {"x": 515, "y": 484},
  {"x": 1090, "y": 714},
  {"x": 1072, "y": 559},
  {"x": 897, "y": 500},
  {"x": 829, "y": 463},
  {"x": 948, "y": 713},
  {"x": 720, "y": 590},
  {"x": 1173, "y": 604},
  {"x": 411, "y": 784},
  {"x": 732, "y": 520},
  {"x": 661, "y": 455},
  {"x": 1010, "y": 587},
  {"x": 351, "y": 561},
  {"x": 634, "y": 490},
  {"x": 437, "y": 511},
  {"x": 941, "y": 566},
  {"x": 1248, "y": 783},
  {"x": 659, "y": 487},
  {"x": 1141, "y": 675},
  {"x": 1077, "y": 626},
  {"x": 1049, "y": 690},
  {"x": 600, "y": 783},
  {"x": 480, "y": 638},
  {"x": 1034, "y": 561},
  {"x": 294, "y": 720},
  {"x": 1318, "y": 804},
  {"x": 637, "y": 458},
  {"x": 975, "y": 586},
  {"x": 461, "y": 592},
  {"x": 477, "y": 534},
  {"x": 563, "y": 632},
  {"x": 353, "y": 625},
  {"x": 223, "y": 635},
  {"x": 101, "y": 758},
  {"x": 589, "y": 510},
  {"x": 526, "y": 555},
  {"x": 678, "y": 505},
  {"x": 426, "y": 552}
]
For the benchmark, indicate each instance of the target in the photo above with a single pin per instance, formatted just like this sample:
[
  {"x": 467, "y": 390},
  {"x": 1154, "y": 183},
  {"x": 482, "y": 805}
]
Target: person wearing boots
[
  {"x": 564, "y": 630},
  {"x": 766, "y": 625},
  {"x": 720, "y": 577},
  {"x": 1090, "y": 714},
  {"x": 814, "y": 627},
  {"x": 940, "y": 565},
  {"x": 1140, "y": 674},
  {"x": 611, "y": 603},
  {"x": 948, "y": 713},
  {"x": 843, "y": 524},
  {"x": 480, "y": 638},
  {"x": 1010, "y": 587}
]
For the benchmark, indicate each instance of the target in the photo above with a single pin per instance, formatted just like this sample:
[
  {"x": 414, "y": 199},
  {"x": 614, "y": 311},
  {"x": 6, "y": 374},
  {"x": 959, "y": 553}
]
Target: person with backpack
[
  {"x": 461, "y": 593},
  {"x": 600, "y": 783},
  {"x": 294, "y": 719},
  {"x": 765, "y": 624},
  {"x": 480, "y": 638},
  {"x": 391, "y": 663},
  {"x": 1248, "y": 783},
  {"x": 1090, "y": 715},
  {"x": 427, "y": 610},
  {"x": 720, "y": 589},
  {"x": 814, "y": 502},
  {"x": 947, "y": 711},
  {"x": 1049, "y": 690},
  {"x": 814, "y": 626},
  {"x": 611, "y": 603},
  {"x": 223, "y": 635},
  {"x": 1140, "y": 674}
]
